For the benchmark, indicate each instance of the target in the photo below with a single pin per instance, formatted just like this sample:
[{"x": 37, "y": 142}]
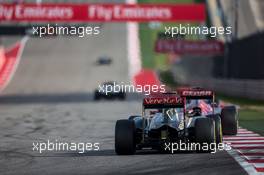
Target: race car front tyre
[
  {"x": 204, "y": 133},
  {"x": 218, "y": 128},
  {"x": 125, "y": 137},
  {"x": 229, "y": 118}
]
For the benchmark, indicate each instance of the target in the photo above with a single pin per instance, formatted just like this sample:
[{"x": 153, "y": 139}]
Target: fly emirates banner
[{"x": 65, "y": 12}]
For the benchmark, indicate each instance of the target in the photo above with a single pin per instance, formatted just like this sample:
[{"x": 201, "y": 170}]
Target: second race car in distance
[
  {"x": 104, "y": 60},
  {"x": 107, "y": 90}
]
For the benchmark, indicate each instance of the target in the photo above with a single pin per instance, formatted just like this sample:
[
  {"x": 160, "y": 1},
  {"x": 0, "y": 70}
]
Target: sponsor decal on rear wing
[
  {"x": 162, "y": 101},
  {"x": 205, "y": 94}
]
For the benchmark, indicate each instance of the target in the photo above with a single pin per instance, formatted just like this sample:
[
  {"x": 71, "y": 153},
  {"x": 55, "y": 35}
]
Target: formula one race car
[
  {"x": 204, "y": 100},
  {"x": 107, "y": 90},
  {"x": 163, "y": 121}
]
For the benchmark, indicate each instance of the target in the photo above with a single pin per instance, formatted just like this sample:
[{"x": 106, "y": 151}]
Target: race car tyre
[
  {"x": 218, "y": 128},
  {"x": 204, "y": 133},
  {"x": 229, "y": 118},
  {"x": 138, "y": 127},
  {"x": 125, "y": 137}
]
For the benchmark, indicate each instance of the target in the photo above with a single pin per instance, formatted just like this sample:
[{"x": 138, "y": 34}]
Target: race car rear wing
[{"x": 163, "y": 102}]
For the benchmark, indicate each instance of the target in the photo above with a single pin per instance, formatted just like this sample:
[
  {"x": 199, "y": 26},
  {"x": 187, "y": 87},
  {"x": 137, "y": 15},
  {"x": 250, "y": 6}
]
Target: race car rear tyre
[
  {"x": 138, "y": 127},
  {"x": 229, "y": 118},
  {"x": 204, "y": 133},
  {"x": 218, "y": 128},
  {"x": 125, "y": 137}
]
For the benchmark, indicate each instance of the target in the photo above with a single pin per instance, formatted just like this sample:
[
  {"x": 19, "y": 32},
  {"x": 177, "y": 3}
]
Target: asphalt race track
[{"x": 51, "y": 97}]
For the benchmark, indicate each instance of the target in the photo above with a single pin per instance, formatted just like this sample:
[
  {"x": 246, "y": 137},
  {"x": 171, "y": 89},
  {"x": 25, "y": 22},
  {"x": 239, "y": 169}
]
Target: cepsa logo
[
  {"x": 165, "y": 100},
  {"x": 197, "y": 93}
]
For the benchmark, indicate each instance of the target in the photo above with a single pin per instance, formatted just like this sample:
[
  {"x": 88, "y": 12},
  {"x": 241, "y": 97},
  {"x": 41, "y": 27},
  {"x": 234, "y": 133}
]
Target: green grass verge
[
  {"x": 251, "y": 114},
  {"x": 252, "y": 120}
]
